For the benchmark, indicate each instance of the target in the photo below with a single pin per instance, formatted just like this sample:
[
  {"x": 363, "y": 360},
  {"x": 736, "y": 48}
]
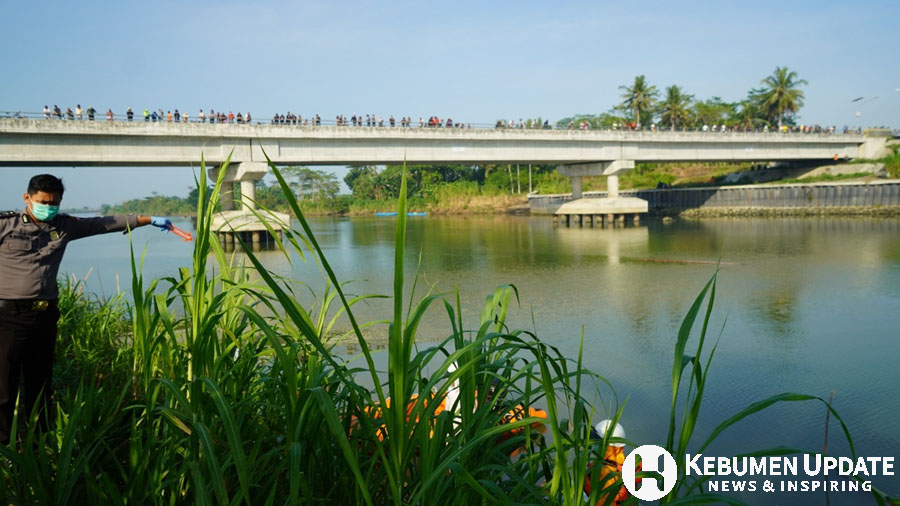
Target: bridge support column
[
  {"x": 247, "y": 173},
  {"x": 226, "y": 196},
  {"x": 576, "y": 187},
  {"x": 611, "y": 169},
  {"x": 612, "y": 186},
  {"x": 248, "y": 194}
]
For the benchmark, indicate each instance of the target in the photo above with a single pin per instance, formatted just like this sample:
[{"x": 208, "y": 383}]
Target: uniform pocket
[{"x": 16, "y": 244}]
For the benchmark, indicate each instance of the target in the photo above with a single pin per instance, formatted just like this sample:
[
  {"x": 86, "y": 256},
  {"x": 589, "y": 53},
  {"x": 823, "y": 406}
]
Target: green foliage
[
  {"x": 713, "y": 111},
  {"x": 639, "y": 99},
  {"x": 158, "y": 205},
  {"x": 748, "y": 115},
  {"x": 775, "y": 103},
  {"x": 649, "y": 179},
  {"x": 675, "y": 109},
  {"x": 594, "y": 121},
  {"x": 311, "y": 184},
  {"x": 357, "y": 172},
  {"x": 892, "y": 164},
  {"x": 780, "y": 96},
  {"x": 224, "y": 389}
]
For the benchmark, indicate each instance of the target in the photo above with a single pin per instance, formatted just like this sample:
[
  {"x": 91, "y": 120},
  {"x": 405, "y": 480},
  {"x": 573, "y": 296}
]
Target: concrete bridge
[{"x": 577, "y": 153}]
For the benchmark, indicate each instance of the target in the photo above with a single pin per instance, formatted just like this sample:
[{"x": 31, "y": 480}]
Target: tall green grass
[{"x": 216, "y": 386}]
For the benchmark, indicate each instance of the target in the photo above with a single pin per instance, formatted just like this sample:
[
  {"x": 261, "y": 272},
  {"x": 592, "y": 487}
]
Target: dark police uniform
[{"x": 30, "y": 254}]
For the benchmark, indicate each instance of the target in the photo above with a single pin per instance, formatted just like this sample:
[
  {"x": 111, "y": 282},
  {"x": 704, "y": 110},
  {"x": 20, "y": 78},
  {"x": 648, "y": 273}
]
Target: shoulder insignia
[{"x": 9, "y": 214}]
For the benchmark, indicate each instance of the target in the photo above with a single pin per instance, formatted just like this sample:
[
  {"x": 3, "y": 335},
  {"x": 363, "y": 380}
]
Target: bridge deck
[{"x": 25, "y": 142}]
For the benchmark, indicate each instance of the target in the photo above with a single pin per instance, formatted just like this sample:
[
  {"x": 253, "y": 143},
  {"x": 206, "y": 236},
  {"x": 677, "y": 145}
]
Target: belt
[{"x": 28, "y": 305}]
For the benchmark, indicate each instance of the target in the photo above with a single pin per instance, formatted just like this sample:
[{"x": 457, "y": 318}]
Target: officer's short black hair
[{"x": 46, "y": 183}]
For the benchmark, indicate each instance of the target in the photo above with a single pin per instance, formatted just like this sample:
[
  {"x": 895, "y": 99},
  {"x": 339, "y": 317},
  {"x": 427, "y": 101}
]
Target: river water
[{"x": 803, "y": 305}]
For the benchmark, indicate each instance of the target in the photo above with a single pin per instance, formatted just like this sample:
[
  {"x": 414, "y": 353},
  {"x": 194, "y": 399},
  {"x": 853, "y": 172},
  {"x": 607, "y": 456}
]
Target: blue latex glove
[{"x": 162, "y": 223}]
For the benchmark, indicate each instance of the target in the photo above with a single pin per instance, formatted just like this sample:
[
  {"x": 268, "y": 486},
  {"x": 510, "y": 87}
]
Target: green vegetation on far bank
[{"x": 466, "y": 189}]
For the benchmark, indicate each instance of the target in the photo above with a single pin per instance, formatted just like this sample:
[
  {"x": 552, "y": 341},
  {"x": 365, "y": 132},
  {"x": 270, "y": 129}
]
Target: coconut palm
[
  {"x": 780, "y": 95},
  {"x": 749, "y": 115},
  {"x": 712, "y": 111},
  {"x": 640, "y": 97},
  {"x": 675, "y": 109}
]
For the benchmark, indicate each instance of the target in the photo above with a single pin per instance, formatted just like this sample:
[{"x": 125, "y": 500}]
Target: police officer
[{"x": 32, "y": 243}]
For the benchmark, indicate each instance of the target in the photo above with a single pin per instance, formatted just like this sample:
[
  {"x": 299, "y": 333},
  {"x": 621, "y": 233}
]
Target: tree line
[{"x": 773, "y": 104}]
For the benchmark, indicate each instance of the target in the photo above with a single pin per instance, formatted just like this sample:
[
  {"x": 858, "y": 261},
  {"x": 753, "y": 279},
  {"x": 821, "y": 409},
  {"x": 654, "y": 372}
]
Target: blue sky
[{"x": 472, "y": 61}]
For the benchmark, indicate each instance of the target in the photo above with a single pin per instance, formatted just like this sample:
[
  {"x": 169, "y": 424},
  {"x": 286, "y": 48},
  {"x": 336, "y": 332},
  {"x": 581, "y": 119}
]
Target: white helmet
[{"x": 618, "y": 431}]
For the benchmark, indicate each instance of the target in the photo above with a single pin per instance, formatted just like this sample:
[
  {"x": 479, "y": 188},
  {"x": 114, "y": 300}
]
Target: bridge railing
[{"x": 137, "y": 117}]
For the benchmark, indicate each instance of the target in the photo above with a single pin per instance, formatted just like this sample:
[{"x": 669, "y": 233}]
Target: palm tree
[
  {"x": 639, "y": 97},
  {"x": 780, "y": 95},
  {"x": 712, "y": 111},
  {"x": 749, "y": 116},
  {"x": 675, "y": 108}
]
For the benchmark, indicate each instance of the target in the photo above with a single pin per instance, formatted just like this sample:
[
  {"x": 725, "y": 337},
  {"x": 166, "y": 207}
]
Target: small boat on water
[{"x": 394, "y": 213}]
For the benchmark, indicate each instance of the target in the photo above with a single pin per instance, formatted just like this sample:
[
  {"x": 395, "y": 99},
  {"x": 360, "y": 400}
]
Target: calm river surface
[{"x": 808, "y": 305}]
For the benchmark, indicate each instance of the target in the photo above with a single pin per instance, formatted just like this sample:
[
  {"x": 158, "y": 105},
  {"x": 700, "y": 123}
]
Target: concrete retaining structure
[{"x": 839, "y": 198}]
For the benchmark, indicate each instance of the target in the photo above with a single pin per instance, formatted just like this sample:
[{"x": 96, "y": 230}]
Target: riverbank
[
  {"x": 776, "y": 212},
  {"x": 449, "y": 206},
  {"x": 868, "y": 198}
]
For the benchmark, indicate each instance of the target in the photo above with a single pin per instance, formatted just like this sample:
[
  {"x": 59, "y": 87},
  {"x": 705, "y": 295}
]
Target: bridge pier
[
  {"x": 605, "y": 212},
  {"x": 576, "y": 187},
  {"x": 243, "y": 223},
  {"x": 612, "y": 186}
]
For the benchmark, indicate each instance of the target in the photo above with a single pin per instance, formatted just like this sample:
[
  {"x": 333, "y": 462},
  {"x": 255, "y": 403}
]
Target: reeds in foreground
[{"x": 237, "y": 397}]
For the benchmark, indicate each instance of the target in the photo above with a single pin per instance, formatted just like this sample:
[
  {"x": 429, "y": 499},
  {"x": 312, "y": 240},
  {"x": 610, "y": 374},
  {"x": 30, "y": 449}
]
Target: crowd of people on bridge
[
  {"x": 372, "y": 120},
  {"x": 369, "y": 120},
  {"x": 288, "y": 118},
  {"x": 149, "y": 116},
  {"x": 529, "y": 124}
]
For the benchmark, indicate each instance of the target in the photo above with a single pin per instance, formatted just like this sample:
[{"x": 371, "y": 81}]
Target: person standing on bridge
[{"x": 32, "y": 243}]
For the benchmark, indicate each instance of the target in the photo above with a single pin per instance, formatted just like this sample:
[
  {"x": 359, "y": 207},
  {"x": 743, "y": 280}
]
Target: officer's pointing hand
[{"x": 164, "y": 224}]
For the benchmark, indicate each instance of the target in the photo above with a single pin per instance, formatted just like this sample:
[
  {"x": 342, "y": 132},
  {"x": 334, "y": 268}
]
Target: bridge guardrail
[{"x": 138, "y": 118}]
